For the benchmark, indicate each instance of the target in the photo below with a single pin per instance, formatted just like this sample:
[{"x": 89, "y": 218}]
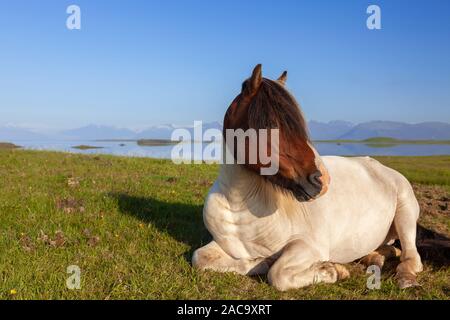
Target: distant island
[
  {"x": 384, "y": 141},
  {"x": 86, "y": 147},
  {"x": 148, "y": 142},
  {"x": 155, "y": 142},
  {"x": 7, "y": 145}
]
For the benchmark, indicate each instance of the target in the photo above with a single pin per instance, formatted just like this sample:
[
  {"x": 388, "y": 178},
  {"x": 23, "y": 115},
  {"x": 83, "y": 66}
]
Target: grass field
[{"x": 131, "y": 225}]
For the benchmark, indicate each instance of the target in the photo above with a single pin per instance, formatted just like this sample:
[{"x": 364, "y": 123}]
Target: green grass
[{"x": 131, "y": 225}]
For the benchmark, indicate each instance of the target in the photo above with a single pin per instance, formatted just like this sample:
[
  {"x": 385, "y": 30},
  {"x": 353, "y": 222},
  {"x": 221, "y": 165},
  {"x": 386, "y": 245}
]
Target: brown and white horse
[{"x": 315, "y": 214}]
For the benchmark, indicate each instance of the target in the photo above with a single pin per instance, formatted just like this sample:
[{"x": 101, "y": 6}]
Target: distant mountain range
[
  {"x": 328, "y": 130},
  {"x": 399, "y": 130},
  {"x": 9, "y": 132},
  {"x": 165, "y": 131},
  {"x": 92, "y": 132},
  {"x": 333, "y": 130}
]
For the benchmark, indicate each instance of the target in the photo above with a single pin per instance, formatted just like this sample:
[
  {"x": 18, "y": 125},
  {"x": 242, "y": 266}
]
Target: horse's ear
[
  {"x": 256, "y": 78},
  {"x": 282, "y": 79}
]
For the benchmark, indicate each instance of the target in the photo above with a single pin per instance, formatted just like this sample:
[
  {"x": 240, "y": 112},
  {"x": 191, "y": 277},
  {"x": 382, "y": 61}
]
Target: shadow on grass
[
  {"x": 181, "y": 221},
  {"x": 184, "y": 223},
  {"x": 433, "y": 247}
]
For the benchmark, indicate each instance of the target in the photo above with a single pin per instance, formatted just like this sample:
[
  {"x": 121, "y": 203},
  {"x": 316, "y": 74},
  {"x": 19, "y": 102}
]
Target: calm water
[{"x": 132, "y": 149}]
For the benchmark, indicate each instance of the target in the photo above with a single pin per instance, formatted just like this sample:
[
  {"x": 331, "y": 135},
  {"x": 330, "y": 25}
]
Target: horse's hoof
[
  {"x": 406, "y": 280},
  {"x": 373, "y": 258},
  {"x": 342, "y": 271}
]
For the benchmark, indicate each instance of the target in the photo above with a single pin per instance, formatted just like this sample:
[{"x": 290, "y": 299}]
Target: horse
[{"x": 301, "y": 225}]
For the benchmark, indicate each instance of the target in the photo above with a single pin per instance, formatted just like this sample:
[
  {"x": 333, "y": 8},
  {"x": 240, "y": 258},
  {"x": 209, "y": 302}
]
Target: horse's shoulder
[{"x": 215, "y": 198}]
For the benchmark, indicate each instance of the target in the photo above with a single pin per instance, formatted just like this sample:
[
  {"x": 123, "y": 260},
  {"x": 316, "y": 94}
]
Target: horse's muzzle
[{"x": 306, "y": 189}]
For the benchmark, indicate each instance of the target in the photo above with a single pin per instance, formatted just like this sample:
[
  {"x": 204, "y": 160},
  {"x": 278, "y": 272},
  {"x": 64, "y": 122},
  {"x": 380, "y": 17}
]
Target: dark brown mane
[{"x": 274, "y": 107}]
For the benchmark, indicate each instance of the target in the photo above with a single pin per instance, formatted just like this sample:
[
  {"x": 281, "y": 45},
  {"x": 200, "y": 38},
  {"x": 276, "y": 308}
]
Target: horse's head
[{"x": 266, "y": 104}]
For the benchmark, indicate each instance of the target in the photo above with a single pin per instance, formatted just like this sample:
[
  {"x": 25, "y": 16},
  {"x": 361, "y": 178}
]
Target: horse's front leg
[
  {"x": 212, "y": 257},
  {"x": 301, "y": 265}
]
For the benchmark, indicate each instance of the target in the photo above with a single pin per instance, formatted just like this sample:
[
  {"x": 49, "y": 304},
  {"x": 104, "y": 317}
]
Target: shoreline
[{"x": 77, "y": 151}]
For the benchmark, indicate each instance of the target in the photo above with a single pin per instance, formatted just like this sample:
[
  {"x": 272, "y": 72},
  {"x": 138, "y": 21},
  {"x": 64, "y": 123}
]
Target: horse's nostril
[
  {"x": 307, "y": 188},
  {"x": 314, "y": 179}
]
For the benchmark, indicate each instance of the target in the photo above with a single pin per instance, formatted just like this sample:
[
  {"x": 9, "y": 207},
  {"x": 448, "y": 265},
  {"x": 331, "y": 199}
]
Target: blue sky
[{"x": 138, "y": 63}]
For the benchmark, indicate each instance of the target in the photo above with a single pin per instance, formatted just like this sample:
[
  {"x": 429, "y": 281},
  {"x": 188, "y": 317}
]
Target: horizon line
[{"x": 139, "y": 128}]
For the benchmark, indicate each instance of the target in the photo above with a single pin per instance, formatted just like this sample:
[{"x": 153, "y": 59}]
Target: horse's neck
[{"x": 245, "y": 189}]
